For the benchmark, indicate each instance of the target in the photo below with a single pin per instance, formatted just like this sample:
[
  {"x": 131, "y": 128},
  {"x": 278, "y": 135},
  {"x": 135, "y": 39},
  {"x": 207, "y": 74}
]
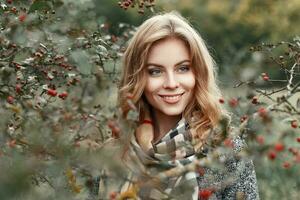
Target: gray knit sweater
[{"x": 244, "y": 184}]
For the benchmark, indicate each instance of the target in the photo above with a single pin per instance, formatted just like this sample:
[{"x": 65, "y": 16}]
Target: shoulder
[
  {"x": 240, "y": 165},
  {"x": 236, "y": 178}
]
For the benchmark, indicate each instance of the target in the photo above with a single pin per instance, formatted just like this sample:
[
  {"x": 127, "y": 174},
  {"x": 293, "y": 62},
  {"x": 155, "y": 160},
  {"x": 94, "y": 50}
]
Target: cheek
[
  {"x": 189, "y": 82},
  {"x": 152, "y": 85},
  {"x": 192, "y": 83}
]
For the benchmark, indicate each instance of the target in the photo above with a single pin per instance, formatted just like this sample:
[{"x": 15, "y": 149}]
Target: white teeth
[{"x": 171, "y": 97}]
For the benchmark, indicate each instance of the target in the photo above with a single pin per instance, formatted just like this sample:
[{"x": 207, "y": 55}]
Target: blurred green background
[{"x": 229, "y": 27}]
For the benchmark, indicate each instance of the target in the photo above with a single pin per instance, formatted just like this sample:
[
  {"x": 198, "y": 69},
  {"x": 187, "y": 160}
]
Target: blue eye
[
  {"x": 154, "y": 72},
  {"x": 183, "y": 68}
]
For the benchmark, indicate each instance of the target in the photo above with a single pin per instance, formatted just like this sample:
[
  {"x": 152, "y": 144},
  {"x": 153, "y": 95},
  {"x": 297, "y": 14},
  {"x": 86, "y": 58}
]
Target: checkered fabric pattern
[
  {"x": 176, "y": 150},
  {"x": 173, "y": 150}
]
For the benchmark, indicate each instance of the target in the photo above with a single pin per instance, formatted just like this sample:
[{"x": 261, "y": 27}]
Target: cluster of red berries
[
  {"x": 22, "y": 13},
  {"x": 278, "y": 147},
  {"x": 233, "y": 102},
  {"x": 53, "y": 93},
  {"x": 125, "y": 4}
]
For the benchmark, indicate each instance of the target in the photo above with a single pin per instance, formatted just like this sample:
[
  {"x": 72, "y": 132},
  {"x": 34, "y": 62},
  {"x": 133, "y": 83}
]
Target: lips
[{"x": 171, "y": 99}]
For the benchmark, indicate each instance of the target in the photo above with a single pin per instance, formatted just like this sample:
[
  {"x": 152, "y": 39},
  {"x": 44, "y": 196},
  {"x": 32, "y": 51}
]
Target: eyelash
[
  {"x": 185, "y": 67},
  {"x": 156, "y": 72}
]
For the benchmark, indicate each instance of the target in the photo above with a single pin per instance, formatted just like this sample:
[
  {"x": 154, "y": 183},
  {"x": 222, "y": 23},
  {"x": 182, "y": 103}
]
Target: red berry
[
  {"x": 255, "y": 100},
  {"x": 113, "y": 195},
  {"x": 294, "y": 124},
  {"x": 9, "y": 1},
  {"x": 260, "y": 139},
  {"x": 279, "y": 147},
  {"x": 22, "y": 17},
  {"x": 205, "y": 194},
  {"x": 262, "y": 112},
  {"x": 272, "y": 155},
  {"x": 52, "y": 92},
  {"x": 18, "y": 88},
  {"x": 221, "y": 100},
  {"x": 126, "y": 4},
  {"x": 233, "y": 102},
  {"x": 10, "y": 99},
  {"x": 266, "y": 78},
  {"x": 63, "y": 95},
  {"x": 298, "y": 139},
  {"x": 286, "y": 165}
]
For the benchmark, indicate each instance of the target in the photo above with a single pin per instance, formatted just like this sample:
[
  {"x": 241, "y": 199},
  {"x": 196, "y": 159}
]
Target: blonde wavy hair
[{"x": 204, "y": 111}]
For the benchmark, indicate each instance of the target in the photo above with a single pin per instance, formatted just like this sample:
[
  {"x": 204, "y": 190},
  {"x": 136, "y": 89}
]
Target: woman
[{"x": 170, "y": 77}]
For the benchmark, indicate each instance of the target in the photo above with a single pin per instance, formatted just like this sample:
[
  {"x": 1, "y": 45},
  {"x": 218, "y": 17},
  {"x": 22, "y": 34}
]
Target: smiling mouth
[{"x": 171, "y": 99}]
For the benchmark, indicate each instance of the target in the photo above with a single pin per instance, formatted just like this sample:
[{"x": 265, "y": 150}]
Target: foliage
[
  {"x": 269, "y": 108},
  {"x": 57, "y": 65}
]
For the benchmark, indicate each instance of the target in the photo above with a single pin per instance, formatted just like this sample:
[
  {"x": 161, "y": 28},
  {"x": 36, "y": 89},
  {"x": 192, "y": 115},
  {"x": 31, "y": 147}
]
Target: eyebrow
[{"x": 158, "y": 65}]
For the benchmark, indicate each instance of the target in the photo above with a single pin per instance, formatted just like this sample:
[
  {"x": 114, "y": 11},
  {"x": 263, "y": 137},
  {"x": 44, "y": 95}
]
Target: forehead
[{"x": 168, "y": 51}]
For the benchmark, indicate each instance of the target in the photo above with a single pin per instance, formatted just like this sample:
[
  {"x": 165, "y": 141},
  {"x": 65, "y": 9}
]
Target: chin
[{"x": 172, "y": 112}]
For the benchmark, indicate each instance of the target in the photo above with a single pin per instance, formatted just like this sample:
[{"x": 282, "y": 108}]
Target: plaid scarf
[
  {"x": 149, "y": 172},
  {"x": 173, "y": 150}
]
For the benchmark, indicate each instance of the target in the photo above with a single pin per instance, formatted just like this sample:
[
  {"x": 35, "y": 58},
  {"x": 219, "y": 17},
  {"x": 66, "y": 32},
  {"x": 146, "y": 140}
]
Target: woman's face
[{"x": 170, "y": 79}]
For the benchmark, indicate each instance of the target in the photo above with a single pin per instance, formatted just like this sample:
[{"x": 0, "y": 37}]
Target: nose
[{"x": 171, "y": 81}]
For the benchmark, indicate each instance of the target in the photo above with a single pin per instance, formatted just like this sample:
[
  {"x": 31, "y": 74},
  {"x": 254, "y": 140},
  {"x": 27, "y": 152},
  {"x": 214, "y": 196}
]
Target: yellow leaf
[{"x": 131, "y": 193}]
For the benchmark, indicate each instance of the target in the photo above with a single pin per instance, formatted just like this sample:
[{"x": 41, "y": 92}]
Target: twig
[
  {"x": 284, "y": 111},
  {"x": 265, "y": 94},
  {"x": 291, "y": 77}
]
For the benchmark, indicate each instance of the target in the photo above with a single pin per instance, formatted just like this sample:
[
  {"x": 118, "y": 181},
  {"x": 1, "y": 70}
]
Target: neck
[{"x": 163, "y": 123}]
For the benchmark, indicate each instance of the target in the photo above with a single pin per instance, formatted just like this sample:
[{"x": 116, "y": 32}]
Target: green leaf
[{"x": 40, "y": 5}]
